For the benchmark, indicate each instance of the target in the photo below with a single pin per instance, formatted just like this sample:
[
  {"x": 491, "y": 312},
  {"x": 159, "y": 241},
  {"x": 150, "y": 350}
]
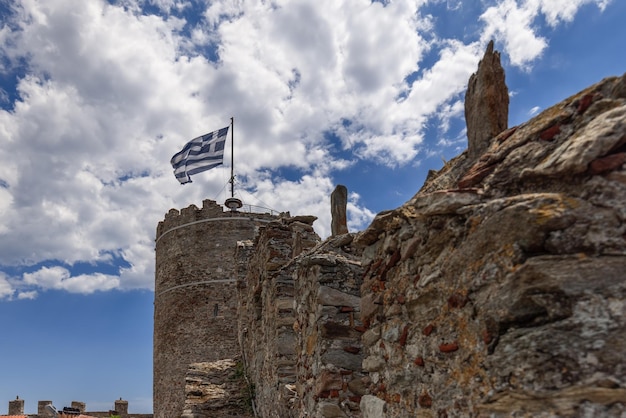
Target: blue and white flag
[{"x": 200, "y": 154}]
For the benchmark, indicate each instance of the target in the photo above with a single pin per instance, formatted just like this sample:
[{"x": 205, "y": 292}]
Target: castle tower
[
  {"x": 81, "y": 406},
  {"x": 121, "y": 406},
  {"x": 195, "y": 295},
  {"x": 16, "y": 407},
  {"x": 41, "y": 408}
]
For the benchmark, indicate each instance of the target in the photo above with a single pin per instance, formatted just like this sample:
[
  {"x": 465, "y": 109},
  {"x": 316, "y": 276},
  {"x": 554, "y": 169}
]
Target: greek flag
[{"x": 200, "y": 154}]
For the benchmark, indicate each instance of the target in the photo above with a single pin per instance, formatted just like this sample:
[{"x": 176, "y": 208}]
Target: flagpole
[
  {"x": 232, "y": 157},
  {"x": 232, "y": 202}
]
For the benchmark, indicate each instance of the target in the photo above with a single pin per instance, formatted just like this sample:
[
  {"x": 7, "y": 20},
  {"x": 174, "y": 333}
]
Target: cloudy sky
[{"x": 96, "y": 96}]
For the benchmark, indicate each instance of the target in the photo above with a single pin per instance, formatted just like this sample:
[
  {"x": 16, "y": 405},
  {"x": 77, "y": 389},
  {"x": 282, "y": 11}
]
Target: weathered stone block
[
  {"x": 332, "y": 330},
  {"x": 340, "y": 358},
  {"x": 358, "y": 386},
  {"x": 333, "y": 297},
  {"x": 371, "y": 336},
  {"x": 328, "y": 380},
  {"x": 373, "y": 363},
  {"x": 370, "y": 305},
  {"x": 372, "y": 407},
  {"x": 330, "y": 410}
]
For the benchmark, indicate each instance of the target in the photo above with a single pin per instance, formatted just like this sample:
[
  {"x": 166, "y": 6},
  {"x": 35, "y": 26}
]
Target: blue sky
[{"x": 96, "y": 96}]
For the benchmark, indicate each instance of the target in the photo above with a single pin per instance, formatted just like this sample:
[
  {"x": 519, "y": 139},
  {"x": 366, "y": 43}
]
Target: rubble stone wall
[
  {"x": 500, "y": 289},
  {"x": 330, "y": 380},
  {"x": 267, "y": 315}
]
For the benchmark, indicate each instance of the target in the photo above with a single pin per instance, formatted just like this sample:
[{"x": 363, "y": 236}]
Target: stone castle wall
[
  {"x": 330, "y": 378},
  {"x": 267, "y": 313},
  {"x": 498, "y": 290},
  {"x": 299, "y": 321}
]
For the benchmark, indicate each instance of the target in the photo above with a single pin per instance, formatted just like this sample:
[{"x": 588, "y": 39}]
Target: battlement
[{"x": 212, "y": 210}]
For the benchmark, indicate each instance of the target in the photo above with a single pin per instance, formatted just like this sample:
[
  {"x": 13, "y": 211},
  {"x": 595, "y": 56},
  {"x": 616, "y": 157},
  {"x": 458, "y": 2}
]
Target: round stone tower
[{"x": 195, "y": 294}]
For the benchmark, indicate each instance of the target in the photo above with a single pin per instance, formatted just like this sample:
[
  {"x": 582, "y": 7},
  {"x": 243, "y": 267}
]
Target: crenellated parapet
[{"x": 210, "y": 210}]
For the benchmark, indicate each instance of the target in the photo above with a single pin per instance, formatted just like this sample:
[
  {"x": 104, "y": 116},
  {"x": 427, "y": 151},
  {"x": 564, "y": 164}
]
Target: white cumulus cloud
[
  {"x": 59, "y": 278},
  {"x": 6, "y": 290}
]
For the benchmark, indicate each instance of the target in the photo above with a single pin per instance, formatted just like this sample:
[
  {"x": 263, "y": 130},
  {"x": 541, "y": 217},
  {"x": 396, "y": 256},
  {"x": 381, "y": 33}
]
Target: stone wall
[
  {"x": 217, "y": 389},
  {"x": 266, "y": 312},
  {"x": 299, "y": 320},
  {"x": 330, "y": 381},
  {"x": 500, "y": 290}
]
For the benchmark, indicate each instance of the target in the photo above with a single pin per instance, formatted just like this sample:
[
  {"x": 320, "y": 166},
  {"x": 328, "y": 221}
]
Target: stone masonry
[
  {"x": 498, "y": 290},
  {"x": 267, "y": 315},
  {"x": 330, "y": 379},
  {"x": 217, "y": 389}
]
